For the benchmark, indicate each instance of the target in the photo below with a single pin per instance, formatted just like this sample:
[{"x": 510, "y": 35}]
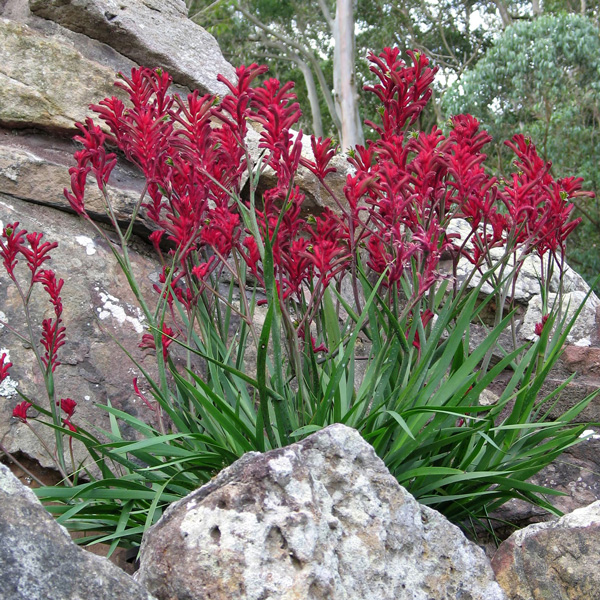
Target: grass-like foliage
[{"x": 282, "y": 324}]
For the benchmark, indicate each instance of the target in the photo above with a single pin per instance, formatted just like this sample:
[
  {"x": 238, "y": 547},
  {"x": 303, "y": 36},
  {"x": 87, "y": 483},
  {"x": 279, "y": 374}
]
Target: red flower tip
[
  {"x": 68, "y": 406},
  {"x": 20, "y": 411},
  {"x": 539, "y": 327},
  {"x": 4, "y": 367}
]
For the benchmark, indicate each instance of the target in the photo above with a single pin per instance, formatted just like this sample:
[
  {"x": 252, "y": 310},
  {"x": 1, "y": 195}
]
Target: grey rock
[
  {"x": 317, "y": 196},
  {"x": 45, "y": 83},
  {"x": 319, "y": 519},
  {"x": 38, "y": 560},
  {"x": 32, "y": 171},
  {"x": 153, "y": 33},
  {"x": 555, "y": 560},
  {"x": 527, "y": 292},
  {"x": 584, "y": 329}
]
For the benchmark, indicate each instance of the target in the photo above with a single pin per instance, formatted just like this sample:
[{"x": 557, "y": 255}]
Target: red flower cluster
[
  {"x": 411, "y": 185},
  {"x": 166, "y": 340},
  {"x": 406, "y": 188},
  {"x": 68, "y": 406},
  {"x": 194, "y": 169},
  {"x": 20, "y": 411}
]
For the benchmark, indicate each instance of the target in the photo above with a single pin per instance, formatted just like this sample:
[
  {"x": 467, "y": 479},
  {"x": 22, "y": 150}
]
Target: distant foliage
[{"x": 542, "y": 78}]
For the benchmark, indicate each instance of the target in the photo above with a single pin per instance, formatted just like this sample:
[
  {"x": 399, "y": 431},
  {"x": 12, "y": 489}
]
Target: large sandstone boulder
[
  {"x": 556, "y": 560},
  {"x": 38, "y": 560},
  {"x": 149, "y": 32},
  {"x": 46, "y": 83},
  {"x": 319, "y": 519}
]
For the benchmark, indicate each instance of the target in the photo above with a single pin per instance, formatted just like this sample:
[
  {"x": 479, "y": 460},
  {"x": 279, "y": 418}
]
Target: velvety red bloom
[
  {"x": 202, "y": 270},
  {"x": 53, "y": 337},
  {"x": 539, "y": 327},
  {"x": 38, "y": 252},
  {"x": 11, "y": 246},
  {"x": 148, "y": 340},
  {"x": 252, "y": 257},
  {"x": 323, "y": 151},
  {"x": 403, "y": 90},
  {"x": 155, "y": 237},
  {"x": 68, "y": 406},
  {"x": 4, "y": 367},
  {"x": 221, "y": 230},
  {"x": 20, "y": 411},
  {"x": 76, "y": 195},
  {"x": 94, "y": 154},
  {"x": 53, "y": 287}
]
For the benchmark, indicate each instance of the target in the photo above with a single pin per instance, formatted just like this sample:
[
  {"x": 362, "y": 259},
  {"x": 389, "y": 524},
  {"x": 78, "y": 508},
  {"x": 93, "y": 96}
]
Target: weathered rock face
[
  {"x": 149, "y": 32},
  {"x": 556, "y": 560},
  {"x": 319, "y": 519},
  {"x": 38, "y": 560},
  {"x": 57, "y": 57},
  {"x": 41, "y": 80}
]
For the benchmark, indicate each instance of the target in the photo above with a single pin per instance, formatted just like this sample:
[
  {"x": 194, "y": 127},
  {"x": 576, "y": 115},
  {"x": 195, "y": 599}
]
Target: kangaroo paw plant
[{"x": 284, "y": 323}]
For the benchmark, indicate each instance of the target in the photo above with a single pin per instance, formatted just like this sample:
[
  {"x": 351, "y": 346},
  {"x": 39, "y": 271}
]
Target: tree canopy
[{"x": 542, "y": 78}]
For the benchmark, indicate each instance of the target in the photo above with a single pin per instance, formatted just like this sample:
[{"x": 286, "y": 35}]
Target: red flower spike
[
  {"x": 4, "y": 367},
  {"x": 78, "y": 182},
  {"x": 37, "y": 253},
  {"x": 53, "y": 288},
  {"x": 323, "y": 151},
  {"x": 20, "y": 411},
  {"x": 94, "y": 154},
  {"x": 53, "y": 337}
]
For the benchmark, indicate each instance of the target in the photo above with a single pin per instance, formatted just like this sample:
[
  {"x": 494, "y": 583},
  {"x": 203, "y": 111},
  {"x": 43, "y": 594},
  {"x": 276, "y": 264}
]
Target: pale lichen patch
[
  {"x": 111, "y": 307},
  {"x": 8, "y": 386},
  {"x": 87, "y": 243}
]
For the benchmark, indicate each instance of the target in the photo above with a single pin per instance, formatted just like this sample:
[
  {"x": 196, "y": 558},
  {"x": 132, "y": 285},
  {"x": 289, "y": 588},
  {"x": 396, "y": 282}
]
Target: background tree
[
  {"x": 297, "y": 39},
  {"x": 542, "y": 78}
]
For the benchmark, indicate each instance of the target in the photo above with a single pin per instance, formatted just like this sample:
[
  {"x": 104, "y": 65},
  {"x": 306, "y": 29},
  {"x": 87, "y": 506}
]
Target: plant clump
[{"x": 226, "y": 249}]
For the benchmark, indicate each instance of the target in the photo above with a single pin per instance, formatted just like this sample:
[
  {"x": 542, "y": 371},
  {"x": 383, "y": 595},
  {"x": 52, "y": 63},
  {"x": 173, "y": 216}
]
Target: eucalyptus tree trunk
[
  {"x": 344, "y": 75},
  {"x": 504, "y": 14},
  {"x": 313, "y": 97}
]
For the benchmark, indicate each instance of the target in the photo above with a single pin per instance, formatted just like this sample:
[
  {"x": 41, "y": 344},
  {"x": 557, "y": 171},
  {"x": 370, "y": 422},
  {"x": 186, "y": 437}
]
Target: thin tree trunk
[
  {"x": 504, "y": 14},
  {"x": 344, "y": 76},
  {"x": 313, "y": 97},
  {"x": 536, "y": 9}
]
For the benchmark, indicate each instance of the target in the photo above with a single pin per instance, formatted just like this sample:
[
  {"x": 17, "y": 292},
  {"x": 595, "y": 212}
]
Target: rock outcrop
[
  {"x": 556, "y": 560},
  {"x": 38, "y": 560},
  {"x": 320, "y": 519},
  {"x": 98, "y": 304}
]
